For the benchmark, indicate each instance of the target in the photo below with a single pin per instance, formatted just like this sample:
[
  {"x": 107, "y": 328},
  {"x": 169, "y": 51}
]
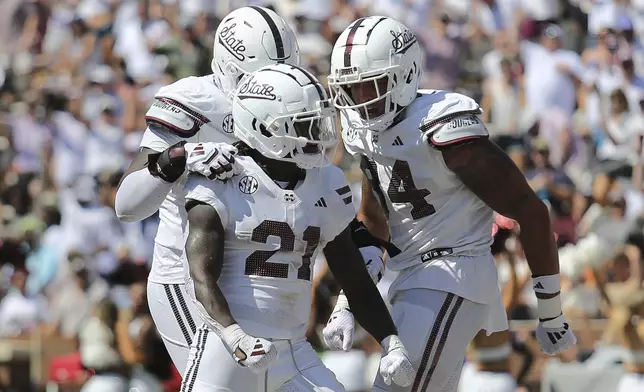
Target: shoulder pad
[
  {"x": 338, "y": 200},
  {"x": 441, "y": 104},
  {"x": 451, "y": 118},
  {"x": 187, "y": 104},
  {"x": 175, "y": 117},
  {"x": 336, "y": 181},
  {"x": 457, "y": 129}
]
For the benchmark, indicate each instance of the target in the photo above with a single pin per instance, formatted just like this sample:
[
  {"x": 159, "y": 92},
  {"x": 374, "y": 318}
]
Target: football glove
[
  {"x": 338, "y": 333},
  {"x": 553, "y": 332},
  {"x": 555, "y": 336},
  {"x": 372, "y": 256},
  {"x": 212, "y": 160},
  {"x": 395, "y": 364},
  {"x": 256, "y": 354}
]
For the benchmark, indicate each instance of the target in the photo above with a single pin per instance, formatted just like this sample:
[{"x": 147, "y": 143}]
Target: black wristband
[
  {"x": 363, "y": 238},
  {"x": 170, "y": 164}
]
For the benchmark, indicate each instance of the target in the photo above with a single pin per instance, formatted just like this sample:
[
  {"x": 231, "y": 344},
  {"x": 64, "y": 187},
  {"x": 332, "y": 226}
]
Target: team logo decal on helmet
[
  {"x": 402, "y": 40},
  {"x": 235, "y": 46},
  {"x": 252, "y": 89}
]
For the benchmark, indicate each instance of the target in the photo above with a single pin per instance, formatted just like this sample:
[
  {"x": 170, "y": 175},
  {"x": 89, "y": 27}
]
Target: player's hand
[
  {"x": 256, "y": 354},
  {"x": 213, "y": 160},
  {"x": 338, "y": 333},
  {"x": 395, "y": 364},
  {"x": 372, "y": 256},
  {"x": 502, "y": 222},
  {"x": 555, "y": 336}
]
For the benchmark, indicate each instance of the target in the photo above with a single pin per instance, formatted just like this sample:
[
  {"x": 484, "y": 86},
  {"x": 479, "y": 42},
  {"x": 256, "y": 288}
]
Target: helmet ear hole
[
  {"x": 264, "y": 131},
  {"x": 410, "y": 77}
]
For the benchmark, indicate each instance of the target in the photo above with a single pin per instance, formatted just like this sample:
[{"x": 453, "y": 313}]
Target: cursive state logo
[
  {"x": 251, "y": 89},
  {"x": 402, "y": 40},
  {"x": 232, "y": 44}
]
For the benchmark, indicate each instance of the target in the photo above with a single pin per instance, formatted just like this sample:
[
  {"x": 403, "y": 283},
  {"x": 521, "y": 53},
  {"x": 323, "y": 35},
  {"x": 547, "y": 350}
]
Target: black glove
[{"x": 170, "y": 164}]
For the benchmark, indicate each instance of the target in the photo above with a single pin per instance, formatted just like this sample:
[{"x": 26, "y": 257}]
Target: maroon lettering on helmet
[
  {"x": 252, "y": 89},
  {"x": 235, "y": 46}
]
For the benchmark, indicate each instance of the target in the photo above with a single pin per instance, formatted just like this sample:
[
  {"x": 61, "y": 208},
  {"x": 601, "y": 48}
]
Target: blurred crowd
[{"x": 561, "y": 83}]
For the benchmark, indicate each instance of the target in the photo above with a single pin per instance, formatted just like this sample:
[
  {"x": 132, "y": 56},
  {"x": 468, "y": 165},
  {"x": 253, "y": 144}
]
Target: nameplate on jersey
[
  {"x": 175, "y": 117},
  {"x": 435, "y": 253}
]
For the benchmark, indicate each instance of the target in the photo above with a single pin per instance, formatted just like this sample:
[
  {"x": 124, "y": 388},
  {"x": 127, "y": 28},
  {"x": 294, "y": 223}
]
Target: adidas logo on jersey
[
  {"x": 321, "y": 203},
  {"x": 397, "y": 141},
  {"x": 538, "y": 286}
]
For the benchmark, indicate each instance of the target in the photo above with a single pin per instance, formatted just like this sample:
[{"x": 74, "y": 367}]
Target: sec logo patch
[
  {"x": 227, "y": 124},
  {"x": 248, "y": 185}
]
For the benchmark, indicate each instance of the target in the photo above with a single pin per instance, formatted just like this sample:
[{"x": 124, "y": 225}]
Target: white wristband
[
  {"x": 549, "y": 284},
  {"x": 391, "y": 342},
  {"x": 342, "y": 302}
]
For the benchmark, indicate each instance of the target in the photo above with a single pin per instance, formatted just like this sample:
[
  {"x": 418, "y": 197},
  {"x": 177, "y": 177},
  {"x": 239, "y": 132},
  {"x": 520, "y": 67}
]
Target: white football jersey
[
  {"x": 272, "y": 239},
  {"x": 203, "y": 111},
  {"x": 428, "y": 207}
]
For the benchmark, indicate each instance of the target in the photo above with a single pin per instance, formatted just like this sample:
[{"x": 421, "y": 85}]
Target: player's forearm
[
  {"x": 347, "y": 266},
  {"x": 212, "y": 303},
  {"x": 205, "y": 253},
  {"x": 140, "y": 195},
  {"x": 376, "y": 224},
  {"x": 537, "y": 240},
  {"x": 371, "y": 213}
]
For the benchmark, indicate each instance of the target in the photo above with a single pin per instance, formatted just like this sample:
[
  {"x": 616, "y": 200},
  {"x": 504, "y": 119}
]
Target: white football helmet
[
  {"x": 376, "y": 68},
  {"x": 283, "y": 112},
  {"x": 250, "y": 38}
]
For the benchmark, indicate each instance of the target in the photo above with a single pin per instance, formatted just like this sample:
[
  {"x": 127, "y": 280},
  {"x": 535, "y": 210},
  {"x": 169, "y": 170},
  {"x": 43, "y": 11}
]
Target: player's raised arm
[
  {"x": 371, "y": 213},
  {"x": 165, "y": 155},
  {"x": 348, "y": 267},
  {"x": 205, "y": 254},
  {"x": 492, "y": 176},
  {"x": 147, "y": 181}
]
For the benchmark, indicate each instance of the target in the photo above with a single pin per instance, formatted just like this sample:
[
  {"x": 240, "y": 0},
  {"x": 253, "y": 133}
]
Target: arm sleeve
[
  {"x": 201, "y": 189},
  {"x": 140, "y": 195}
]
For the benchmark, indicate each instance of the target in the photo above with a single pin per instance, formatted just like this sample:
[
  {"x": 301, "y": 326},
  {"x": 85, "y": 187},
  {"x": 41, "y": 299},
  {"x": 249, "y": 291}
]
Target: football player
[
  {"x": 189, "y": 126},
  {"x": 254, "y": 238},
  {"x": 432, "y": 181}
]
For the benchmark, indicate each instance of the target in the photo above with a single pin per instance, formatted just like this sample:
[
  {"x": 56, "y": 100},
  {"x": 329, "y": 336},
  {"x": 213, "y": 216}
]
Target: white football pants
[
  {"x": 175, "y": 317},
  {"x": 474, "y": 380},
  {"x": 436, "y": 328},
  {"x": 211, "y": 368}
]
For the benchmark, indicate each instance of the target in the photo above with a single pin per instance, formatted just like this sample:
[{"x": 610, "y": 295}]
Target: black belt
[{"x": 435, "y": 253}]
